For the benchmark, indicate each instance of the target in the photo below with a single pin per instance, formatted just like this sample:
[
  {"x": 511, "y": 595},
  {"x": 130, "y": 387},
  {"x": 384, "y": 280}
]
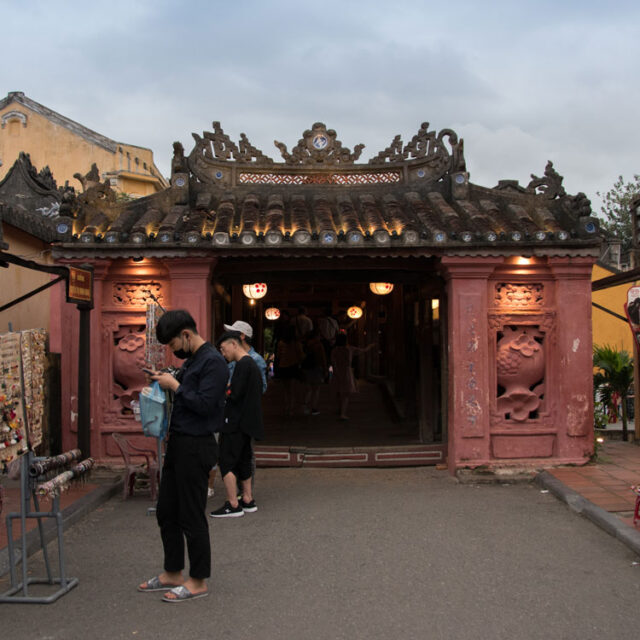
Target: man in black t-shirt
[{"x": 242, "y": 421}]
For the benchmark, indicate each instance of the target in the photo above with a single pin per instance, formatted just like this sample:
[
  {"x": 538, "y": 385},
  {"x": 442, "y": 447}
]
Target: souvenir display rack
[
  {"x": 22, "y": 367},
  {"x": 34, "y": 483}
]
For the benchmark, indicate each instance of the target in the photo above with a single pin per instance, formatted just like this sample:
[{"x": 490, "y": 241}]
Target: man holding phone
[{"x": 198, "y": 410}]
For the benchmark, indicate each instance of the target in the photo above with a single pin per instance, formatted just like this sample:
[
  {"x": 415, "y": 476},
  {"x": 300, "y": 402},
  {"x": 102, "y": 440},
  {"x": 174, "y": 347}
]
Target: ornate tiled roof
[{"x": 413, "y": 198}]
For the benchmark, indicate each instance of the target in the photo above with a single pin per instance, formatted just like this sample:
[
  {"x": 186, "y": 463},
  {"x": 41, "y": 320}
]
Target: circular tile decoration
[{"x": 320, "y": 141}]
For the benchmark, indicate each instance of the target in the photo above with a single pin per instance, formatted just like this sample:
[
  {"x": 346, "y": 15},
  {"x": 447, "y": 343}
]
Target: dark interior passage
[
  {"x": 371, "y": 421},
  {"x": 399, "y": 378}
]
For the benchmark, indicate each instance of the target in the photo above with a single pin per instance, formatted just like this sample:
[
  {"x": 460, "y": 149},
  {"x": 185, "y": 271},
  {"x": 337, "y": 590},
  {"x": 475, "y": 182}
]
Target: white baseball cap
[{"x": 240, "y": 327}]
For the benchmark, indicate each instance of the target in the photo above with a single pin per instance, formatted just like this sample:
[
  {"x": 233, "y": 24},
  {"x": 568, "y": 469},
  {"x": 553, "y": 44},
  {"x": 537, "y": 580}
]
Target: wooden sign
[{"x": 80, "y": 286}]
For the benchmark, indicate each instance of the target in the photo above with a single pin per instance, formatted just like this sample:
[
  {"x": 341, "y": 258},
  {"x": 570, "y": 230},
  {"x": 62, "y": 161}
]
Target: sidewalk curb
[
  {"x": 605, "y": 520},
  {"x": 70, "y": 515}
]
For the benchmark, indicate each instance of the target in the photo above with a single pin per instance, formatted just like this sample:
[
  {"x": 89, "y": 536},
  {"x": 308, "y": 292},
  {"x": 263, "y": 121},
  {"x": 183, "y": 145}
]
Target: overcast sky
[{"x": 522, "y": 82}]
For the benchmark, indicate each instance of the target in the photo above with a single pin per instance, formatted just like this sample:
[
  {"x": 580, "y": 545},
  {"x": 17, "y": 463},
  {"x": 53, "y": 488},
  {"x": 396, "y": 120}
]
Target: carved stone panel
[
  {"x": 136, "y": 294},
  {"x": 123, "y": 355},
  {"x": 128, "y": 360},
  {"x": 520, "y": 368},
  {"x": 512, "y": 296}
]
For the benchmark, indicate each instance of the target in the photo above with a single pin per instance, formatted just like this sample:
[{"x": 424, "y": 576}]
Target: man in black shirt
[
  {"x": 198, "y": 410},
  {"x": 242, "y": 421}
]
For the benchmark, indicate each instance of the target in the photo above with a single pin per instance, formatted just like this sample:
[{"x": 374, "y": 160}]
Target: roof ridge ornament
[
  {"x": 428, "y": 146},
  {"x": 319, "y": 145},
  {"x": 217, "y": 145},
  {"x": 221, "y": 144},
  {"x": 393, "y": 153},
  {"x": 248, "y": 152},
  {"x": 550, "y": 185}
]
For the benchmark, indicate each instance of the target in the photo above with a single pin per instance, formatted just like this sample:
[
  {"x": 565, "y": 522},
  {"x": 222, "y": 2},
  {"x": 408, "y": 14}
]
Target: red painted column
[
  {"x": 469, "y": 358},
  {"x": 575, "y": 349},
  {"x": 65, "y": 335},
  {"x": 99, "y": 385},
  {"x": 191, "y": 290}
]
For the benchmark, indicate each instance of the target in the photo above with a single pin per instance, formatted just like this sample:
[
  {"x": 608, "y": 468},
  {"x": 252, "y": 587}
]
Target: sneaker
[
  {"x": 227, "y": 511},
  {"x": 248, "y": 507}
]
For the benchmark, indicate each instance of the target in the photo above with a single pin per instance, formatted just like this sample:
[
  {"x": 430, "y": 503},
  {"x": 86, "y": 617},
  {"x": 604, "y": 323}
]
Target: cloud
[{"x": 522, "y": 82}]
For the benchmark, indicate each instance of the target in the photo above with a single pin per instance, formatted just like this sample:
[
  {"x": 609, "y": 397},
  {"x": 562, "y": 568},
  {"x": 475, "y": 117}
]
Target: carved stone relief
[
  {"x": 136, "y": 294},
  {"x": 128, "y": 359},
  {"x": 519, "y": 296},
  {"x": 520, "y": 368}
]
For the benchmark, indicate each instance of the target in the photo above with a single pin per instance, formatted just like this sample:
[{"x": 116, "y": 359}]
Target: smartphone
[{"x": 149, "y": 371}]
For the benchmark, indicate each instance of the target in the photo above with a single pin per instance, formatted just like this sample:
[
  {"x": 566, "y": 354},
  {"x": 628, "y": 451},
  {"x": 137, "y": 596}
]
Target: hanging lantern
[
  {"x": 255, "y": 291},
  {"x": 381, "y": 288},
  {"x": 272, "y": 313},
  {"x": 354, "y": 312}
]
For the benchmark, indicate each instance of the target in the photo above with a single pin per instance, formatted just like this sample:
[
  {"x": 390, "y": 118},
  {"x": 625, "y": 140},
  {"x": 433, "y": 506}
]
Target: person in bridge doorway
[
  {"x": 328, "y": 328},
  {"x": 343, "y": 380},
  {"x": 198, "y": 410},
  {"x": 314, "y": 372},
  {"x": 302, "y": 323},
  {"x": 246, "y": 335},
  {"x": 242, "y": 422},
  {"x": 289, "y": 355}
]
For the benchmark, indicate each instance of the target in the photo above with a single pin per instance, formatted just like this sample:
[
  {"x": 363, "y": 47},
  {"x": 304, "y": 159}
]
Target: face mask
[{"x": 183, "y": 354}]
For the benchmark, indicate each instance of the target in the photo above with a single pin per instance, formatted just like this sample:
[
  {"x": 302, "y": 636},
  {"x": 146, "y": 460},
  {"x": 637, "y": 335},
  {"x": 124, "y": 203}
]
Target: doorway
[{"x": 398, "y": 346}]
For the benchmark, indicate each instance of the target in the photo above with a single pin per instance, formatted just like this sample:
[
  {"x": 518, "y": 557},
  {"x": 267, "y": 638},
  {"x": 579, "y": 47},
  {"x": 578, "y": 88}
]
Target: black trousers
[{"x": 182, "y": 502}]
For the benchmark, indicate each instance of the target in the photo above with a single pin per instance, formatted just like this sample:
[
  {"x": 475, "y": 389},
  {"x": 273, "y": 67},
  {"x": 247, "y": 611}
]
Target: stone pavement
[
  {"x": 607, "y": 483},
  {"x": 602, "y": 491},
  {"x": 78, "y": 500},
  {"x": 354, "y": 553}
]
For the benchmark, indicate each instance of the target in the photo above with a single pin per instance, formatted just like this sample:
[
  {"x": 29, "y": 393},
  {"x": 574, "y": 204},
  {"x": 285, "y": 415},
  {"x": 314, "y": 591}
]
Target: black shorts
[{"x": 235, "y": 455}]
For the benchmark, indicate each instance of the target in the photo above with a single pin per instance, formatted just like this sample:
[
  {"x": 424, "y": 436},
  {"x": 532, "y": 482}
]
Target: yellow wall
[
  {"x": 67, "y": 152},
  {"x": 15, "y": 281},
  {"x": 606, "y": 328}
]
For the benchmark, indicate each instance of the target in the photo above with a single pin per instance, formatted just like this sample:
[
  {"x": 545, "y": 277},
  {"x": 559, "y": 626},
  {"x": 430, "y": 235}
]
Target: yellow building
[
  {"x": 608, "y": 329},
  {"x": 68, "y": 147}
]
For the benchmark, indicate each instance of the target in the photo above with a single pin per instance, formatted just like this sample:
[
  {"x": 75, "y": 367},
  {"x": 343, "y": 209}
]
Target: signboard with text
[{"x": 80, "y": 286}]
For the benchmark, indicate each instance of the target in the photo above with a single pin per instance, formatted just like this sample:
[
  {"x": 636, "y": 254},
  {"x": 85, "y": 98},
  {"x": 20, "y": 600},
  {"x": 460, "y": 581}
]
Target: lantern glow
[
  {"x": 272, "y": 313},
  {"x": 255, "y": 291},
  {"x": 354, "y": 312},
  {"x": 381, "y": 288}
]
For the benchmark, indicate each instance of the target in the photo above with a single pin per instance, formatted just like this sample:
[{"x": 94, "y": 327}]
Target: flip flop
[
  {"x": 181, "y": 594},
  {"x": 154, "y": 584}
]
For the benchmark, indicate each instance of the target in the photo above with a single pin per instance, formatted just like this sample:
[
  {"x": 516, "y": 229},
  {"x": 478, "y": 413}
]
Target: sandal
[
  {"x": 181, "y": 594},
  {"x": 154, "y": 584}
]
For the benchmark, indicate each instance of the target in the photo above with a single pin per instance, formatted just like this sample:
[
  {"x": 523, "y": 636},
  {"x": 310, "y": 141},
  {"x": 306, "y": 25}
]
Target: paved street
[{"x": 362, "y": 553}]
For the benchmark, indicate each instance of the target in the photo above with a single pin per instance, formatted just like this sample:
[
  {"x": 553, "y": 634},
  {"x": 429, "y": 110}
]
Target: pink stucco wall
[
  {"x": 506, "y": 316},
  {"x": 117, "y": 340}
]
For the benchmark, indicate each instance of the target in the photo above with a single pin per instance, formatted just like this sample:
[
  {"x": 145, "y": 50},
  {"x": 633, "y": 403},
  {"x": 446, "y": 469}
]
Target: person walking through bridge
[
  {"x": 343, "y": 381},
  {"x": 245, "y": 330},
  {"x": 242, "y": 422}
]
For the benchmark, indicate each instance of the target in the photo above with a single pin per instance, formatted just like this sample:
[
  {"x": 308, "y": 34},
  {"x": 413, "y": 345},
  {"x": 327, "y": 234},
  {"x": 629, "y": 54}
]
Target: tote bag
[{"x": 153, "y": 411}]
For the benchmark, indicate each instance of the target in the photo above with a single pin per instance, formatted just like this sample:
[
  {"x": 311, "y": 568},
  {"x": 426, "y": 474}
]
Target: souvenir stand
[{"x": 22, "y": 359}]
